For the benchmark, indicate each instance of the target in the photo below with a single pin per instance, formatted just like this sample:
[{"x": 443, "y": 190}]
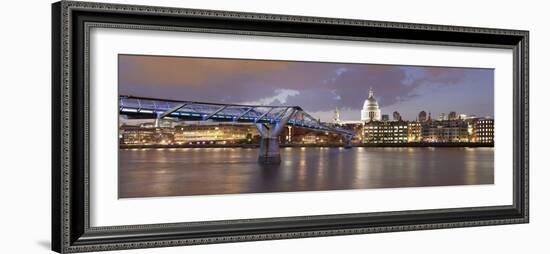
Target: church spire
[
  {"x": 336, "y": 118},
  {"x": 371, "y": 93}
]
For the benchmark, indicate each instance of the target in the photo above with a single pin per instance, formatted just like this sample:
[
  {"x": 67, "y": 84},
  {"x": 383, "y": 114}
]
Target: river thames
[{"x": 205, "y": 171}]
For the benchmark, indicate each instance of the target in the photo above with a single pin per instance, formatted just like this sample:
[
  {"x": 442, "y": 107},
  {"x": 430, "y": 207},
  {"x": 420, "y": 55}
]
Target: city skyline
[
  {"x": 194, "y": 126},
  {"x": 319, "y": 88}
]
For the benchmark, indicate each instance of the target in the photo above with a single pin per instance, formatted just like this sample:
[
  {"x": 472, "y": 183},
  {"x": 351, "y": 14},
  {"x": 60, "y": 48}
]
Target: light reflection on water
[{"x": 199, "y": 171}]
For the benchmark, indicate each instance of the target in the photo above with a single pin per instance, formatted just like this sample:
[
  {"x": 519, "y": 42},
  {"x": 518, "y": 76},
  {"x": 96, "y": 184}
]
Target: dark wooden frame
[{"x": 71, "y": 22}]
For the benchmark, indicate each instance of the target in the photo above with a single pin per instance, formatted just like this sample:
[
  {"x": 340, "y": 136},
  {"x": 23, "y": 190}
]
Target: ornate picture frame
[{"x": 71, "y": 229}]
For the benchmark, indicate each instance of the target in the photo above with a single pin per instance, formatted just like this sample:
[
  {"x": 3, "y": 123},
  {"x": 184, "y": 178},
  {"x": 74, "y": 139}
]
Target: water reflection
[{"x": 185, "y": 171}]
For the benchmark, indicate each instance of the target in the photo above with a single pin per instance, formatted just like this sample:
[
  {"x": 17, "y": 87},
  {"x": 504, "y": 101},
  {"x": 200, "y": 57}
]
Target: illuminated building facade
[
  {"x": 414, "y": 131},
  {"x": 144, "y": 135},
  {"x": 484, "y": 130},
  {"x": 213, "y": 134},
  {"x": 378, "y": 132},
  {"x": 446, "y": 131},
  {"x": 135, "y": 135},
  {"x": 314, "y": 138}
]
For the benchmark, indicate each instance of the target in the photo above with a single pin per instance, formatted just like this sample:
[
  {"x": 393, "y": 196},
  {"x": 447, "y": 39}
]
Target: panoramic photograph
[{"x": 215, "y": 126}]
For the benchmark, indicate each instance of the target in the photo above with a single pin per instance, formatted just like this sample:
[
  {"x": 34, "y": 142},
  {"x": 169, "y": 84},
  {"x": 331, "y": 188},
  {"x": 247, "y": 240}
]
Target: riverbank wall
[{"x": 126, "y": 146}]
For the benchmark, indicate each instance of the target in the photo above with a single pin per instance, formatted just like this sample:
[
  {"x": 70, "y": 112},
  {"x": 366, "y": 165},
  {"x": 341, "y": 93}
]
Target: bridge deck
[{"x": 140, "y": 107}]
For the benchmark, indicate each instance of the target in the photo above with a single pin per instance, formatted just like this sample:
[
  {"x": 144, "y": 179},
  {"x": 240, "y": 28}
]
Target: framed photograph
[{"x": 181, "y": 126}]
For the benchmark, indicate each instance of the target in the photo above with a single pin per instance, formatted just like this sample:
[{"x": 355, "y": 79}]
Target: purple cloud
[{"x": 316, "y": 87}]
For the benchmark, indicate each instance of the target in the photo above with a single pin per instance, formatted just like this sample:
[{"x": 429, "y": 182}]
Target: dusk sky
[{"x": 319, "y": 88}]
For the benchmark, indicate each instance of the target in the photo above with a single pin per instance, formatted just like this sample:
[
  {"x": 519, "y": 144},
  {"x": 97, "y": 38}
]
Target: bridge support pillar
[
  {"x": 269, "y": 143},
  {"x": 269, "y": 151},
  {"x": 347, "y": 141}
]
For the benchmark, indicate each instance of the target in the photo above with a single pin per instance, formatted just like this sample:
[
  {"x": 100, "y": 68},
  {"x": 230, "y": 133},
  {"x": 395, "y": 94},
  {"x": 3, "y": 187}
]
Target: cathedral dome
[
  {"x": 370, "y": 103},
  {"x": 371, "y": 110}
]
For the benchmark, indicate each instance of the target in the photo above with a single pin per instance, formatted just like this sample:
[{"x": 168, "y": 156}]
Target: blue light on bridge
[{"x": 247, "y": 116}]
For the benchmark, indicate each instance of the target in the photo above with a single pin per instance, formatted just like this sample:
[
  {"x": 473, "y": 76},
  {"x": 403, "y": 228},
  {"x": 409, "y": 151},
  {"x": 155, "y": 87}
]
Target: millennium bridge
[{"x": 269, "y": 120}]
